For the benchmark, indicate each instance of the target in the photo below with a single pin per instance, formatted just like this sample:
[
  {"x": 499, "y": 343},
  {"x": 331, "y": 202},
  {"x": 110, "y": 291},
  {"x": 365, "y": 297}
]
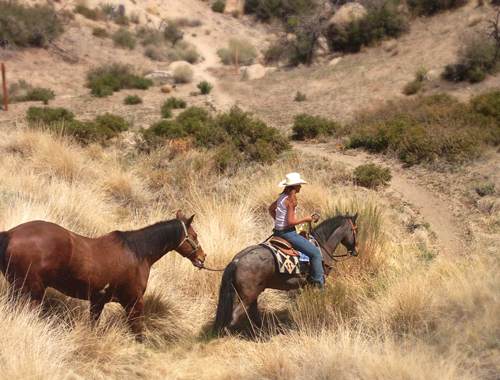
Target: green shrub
[
  {"x": 132, "y": 100},
  {"x": 24, "y": 26},
  {"x": 104, "y": 80},
  {"x": 46, "y": 115},
  {"x": 372, "y": 176},
  {"x": 218, "y": 6},
  {"x": 430, "y": 7},
  {"x": 308, "y": 127},
  {"x": 169, "y": 105},
  {"x": 267, "y": 10},
  {"x": 299, "y": 97},
  {"x": 478, "y": 57},
  {"x": 487, "y": 188},
  {"x": 100, "y": 32},
  {"x": 183, "y": 74},
  {"x": 246, "y": 52},
  {"x": 122, "y": 20},
  {"x": 205, "y": 87},
  {"x": 172, "y": 33},
  {"x": 91, "y": 14},
  {"x": 236, "y": 135},
  {"x": 124, "y": 38},
  {"x": 167, "y": 129},
  {"x": 30, "y": 94},
  {"x": 154, "y": 53},
  {"x": 104, "y": 86},
  {"x": 111, "y": 124},
  {"x": 412, "y": 88},
  {"x": 423, "y": 129},
  {"x": 376, "y": 25}
]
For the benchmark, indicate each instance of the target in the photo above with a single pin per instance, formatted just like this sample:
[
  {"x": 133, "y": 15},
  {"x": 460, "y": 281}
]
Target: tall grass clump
[
  {"x": 309, "y": 127},
  {"x": 219, "y": 6},
  {"x": 205, "y": 87},
  {"x": 379, "y": 23},
  {"x": 372, "y": 176},
  {"x": 425, "y": 129},
  {"x": 26, "y": 26},
  {"x": 246, "y": 52},
  {"x": 92, "y": 14},
  {"x": 106, "y": 79}
]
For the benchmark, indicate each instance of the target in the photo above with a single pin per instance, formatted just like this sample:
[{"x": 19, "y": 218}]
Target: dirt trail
[{"x": 432, "y": 209}]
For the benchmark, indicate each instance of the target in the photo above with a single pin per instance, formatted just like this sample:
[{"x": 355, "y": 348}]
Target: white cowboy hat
[{"x": 292, "y": 179}]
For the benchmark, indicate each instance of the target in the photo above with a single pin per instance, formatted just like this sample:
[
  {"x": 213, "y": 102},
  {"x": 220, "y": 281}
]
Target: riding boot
[{"x": 319, "y": 285}]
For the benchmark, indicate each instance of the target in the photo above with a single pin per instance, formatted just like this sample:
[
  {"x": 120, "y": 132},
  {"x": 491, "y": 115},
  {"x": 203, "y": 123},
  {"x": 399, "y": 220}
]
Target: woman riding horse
[{"x": 283, "y": 212}]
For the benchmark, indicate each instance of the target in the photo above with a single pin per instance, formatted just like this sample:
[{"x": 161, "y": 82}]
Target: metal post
[{"x": 6, "y": 102}]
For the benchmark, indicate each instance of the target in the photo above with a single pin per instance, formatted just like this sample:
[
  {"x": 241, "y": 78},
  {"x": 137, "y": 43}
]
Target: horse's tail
[
  {"x": 226, "y": 297},
  {"x": 4, "y": 242}
]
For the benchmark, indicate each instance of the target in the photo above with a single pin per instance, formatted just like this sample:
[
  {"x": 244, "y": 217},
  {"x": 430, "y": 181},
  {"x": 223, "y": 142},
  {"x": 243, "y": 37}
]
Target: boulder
[
  {"x": 347, "y": 13},
  {"x": 167, "y": 89},
  {"x": 235, "y": 6},
  {"x": 271, "y": 37},
  {"x": 334, "y": 61},
  {"x": 160, "y": 77},
  {"x": 255, "y": 72}
]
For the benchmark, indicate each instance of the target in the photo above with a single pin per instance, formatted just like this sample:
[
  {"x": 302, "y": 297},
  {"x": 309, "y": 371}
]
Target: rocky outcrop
[
  {"x": 345, "y": 14},
  {"x": 233, "y": 6}
]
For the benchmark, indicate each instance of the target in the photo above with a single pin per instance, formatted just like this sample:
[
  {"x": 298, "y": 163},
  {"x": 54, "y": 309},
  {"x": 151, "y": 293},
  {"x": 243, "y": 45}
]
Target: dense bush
[
  {"x": 236, "y": 136},
  {"x": 124, "y": 38},
  {"x": 426, "y": 128},
  {"x": 104, "y": 80},
  {"x": 218, "y": 6},
  {"x": 169, "y": 105},
  {"x": 430, "y": 7},
  {"x": 412, "y": 88},
  {"x": 46, "y": 115},
  {"x": 23, "y": 92},
  {"x": 308, "y": 127},
  {"x": 103, "y": 127},
  {"x": 282, "y": 9},
  {"x": 372, "y": 176},
  {"x": 132, "y": 100},
  {"x": 91, "y": 14},
  {"x": 205, "y": 87},
  {"x": 246, "y": 52},
  {"x": 100, "y": 32},
  {"x": 24, "y": 26},
  {"x": 478, "y": 56},
  {"x": 376, "y": 25}
]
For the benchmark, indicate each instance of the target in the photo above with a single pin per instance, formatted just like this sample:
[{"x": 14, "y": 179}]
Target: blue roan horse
[{"x": 254, "y": 269}]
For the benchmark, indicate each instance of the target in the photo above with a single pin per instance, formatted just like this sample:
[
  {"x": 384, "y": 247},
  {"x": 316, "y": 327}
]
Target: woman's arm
[
  {"x": 290, "y": 215},
  {"x": 272, "y": 209}
]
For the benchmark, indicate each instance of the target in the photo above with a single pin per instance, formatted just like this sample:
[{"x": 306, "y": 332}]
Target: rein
[{"x": 335, "y": 257}]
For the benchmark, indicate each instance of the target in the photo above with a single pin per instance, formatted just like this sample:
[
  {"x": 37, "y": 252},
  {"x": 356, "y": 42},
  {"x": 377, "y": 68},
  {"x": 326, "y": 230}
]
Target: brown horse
[
  {"x": 111, "y": 268},
  {"x": 254, "y": 269}
]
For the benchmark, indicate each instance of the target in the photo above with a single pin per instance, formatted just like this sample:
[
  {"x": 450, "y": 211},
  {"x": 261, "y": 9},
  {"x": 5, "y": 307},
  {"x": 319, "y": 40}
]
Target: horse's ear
[
  {"x": 347, "y": 214},
  {"x": 354, "y": 217},
  {"x": 179, "y": 215},
  {"x": 189, "y": 221}
]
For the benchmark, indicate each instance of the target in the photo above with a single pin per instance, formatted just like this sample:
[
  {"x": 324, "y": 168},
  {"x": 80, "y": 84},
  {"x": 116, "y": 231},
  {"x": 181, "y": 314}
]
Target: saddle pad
[{"x": 285, "y": 263}]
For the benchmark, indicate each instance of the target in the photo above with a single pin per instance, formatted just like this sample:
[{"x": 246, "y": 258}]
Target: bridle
[
  {"x": 188, "y": 239},
  {"x": 349, "y": 254}
]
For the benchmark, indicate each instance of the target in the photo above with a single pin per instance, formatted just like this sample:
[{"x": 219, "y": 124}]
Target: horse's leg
[
  {"x": 253, "y": 313},
  {"x": 134, "y": 311},
  {"x": 96, "y": 308}
]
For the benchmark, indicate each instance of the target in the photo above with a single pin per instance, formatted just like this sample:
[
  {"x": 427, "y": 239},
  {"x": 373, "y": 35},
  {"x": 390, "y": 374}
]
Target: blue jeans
[{"x": 303, "y": 245}]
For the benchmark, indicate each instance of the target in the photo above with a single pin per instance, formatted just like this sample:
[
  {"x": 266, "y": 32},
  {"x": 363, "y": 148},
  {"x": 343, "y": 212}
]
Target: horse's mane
[
  {"x": 152, "y": 240},
  {"x": 326, "y": 228}
]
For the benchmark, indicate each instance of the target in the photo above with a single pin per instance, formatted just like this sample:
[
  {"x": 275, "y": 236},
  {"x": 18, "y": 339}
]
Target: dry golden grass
[{"x": 392, "y": 313}]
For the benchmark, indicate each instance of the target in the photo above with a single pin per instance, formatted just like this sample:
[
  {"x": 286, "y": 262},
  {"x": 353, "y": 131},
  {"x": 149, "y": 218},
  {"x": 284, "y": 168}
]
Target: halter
[{"x": 188, "y": 239}]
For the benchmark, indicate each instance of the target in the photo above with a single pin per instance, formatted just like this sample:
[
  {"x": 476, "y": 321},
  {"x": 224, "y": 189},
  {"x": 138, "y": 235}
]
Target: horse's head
[
  {"x": 190, "y": 247},
  {"x": 350, "y": 239}
]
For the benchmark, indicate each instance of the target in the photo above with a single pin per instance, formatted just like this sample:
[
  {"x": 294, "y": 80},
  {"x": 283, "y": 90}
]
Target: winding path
[{"x": 431, "y": 208}]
